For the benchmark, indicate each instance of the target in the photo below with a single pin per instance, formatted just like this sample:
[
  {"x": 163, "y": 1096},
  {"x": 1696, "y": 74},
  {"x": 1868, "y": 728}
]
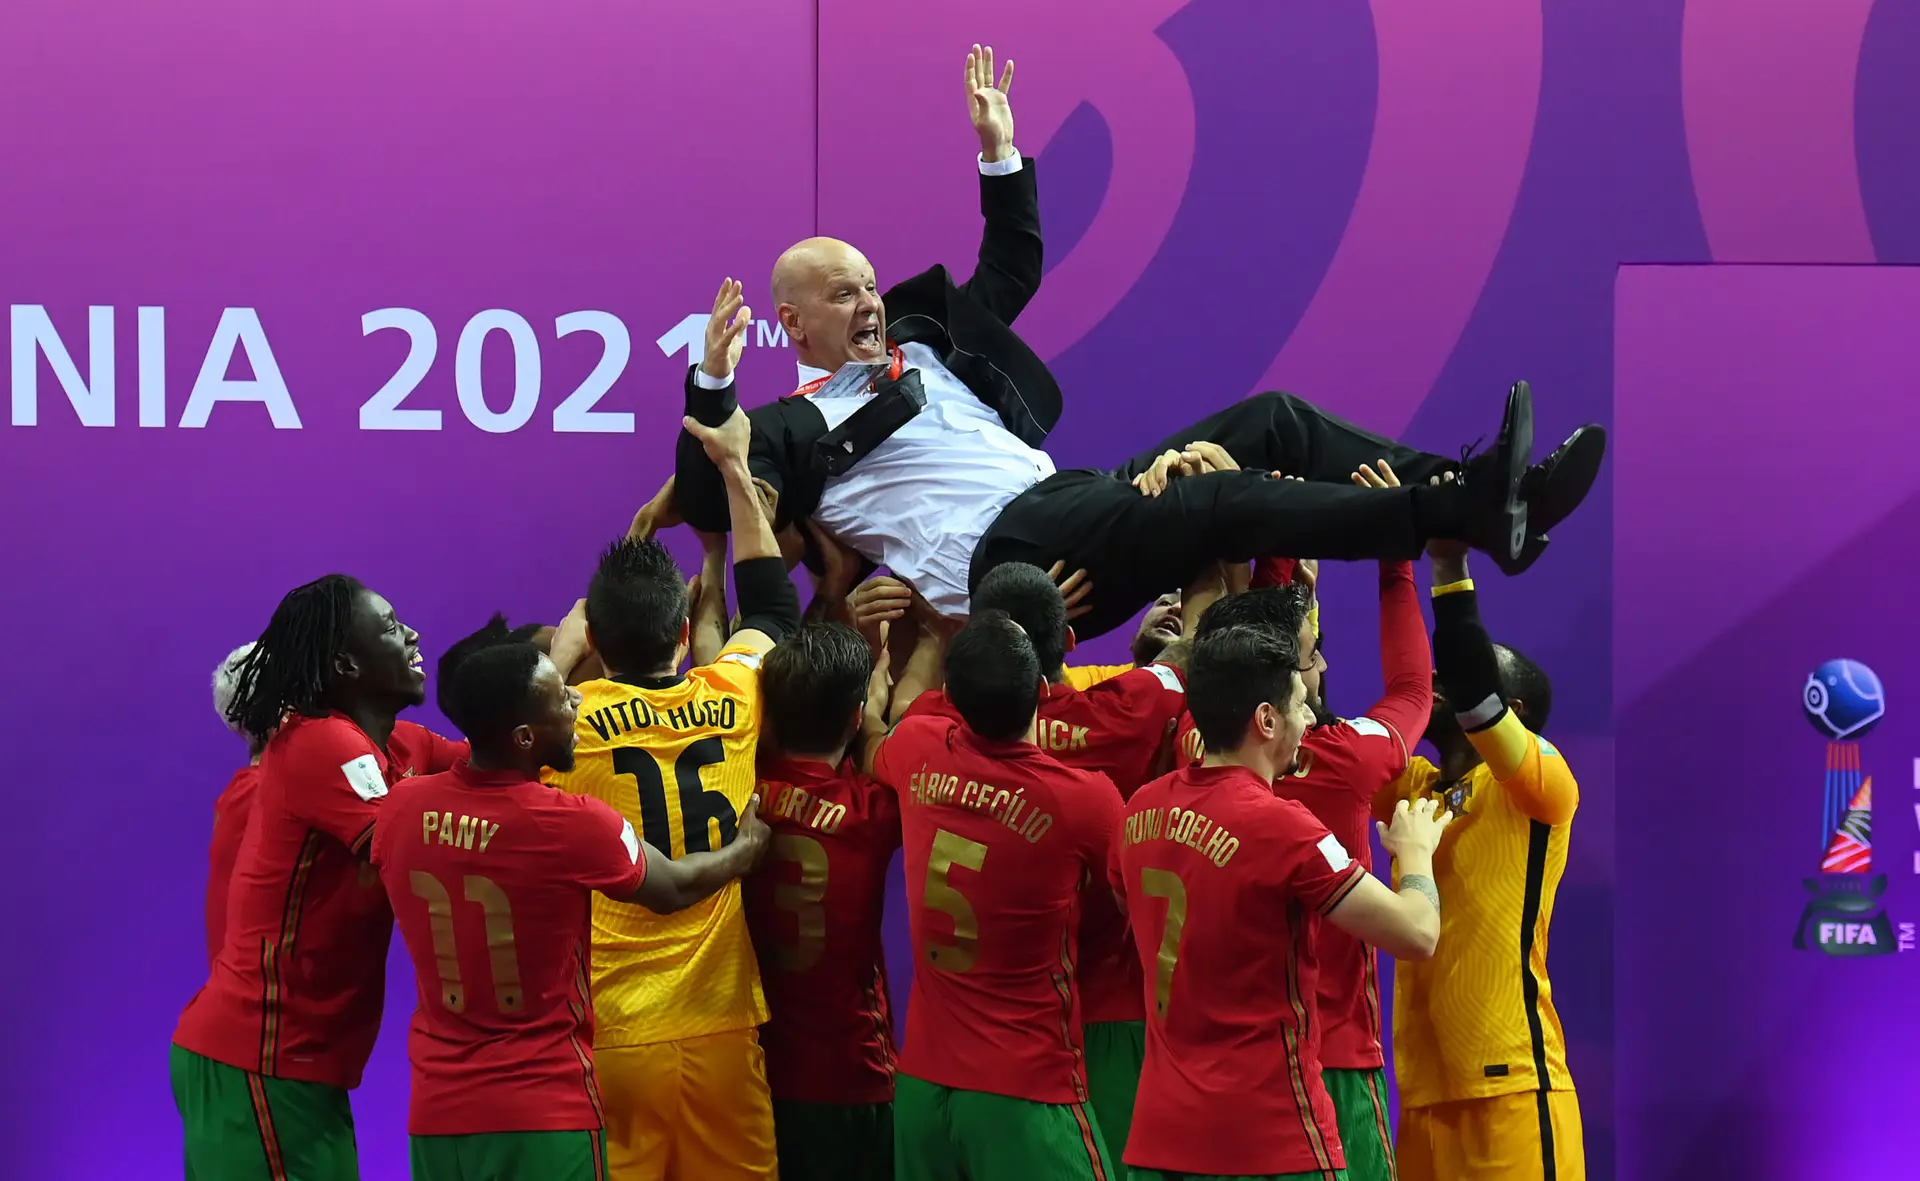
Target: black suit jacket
[{"x": 966, "y": 324}]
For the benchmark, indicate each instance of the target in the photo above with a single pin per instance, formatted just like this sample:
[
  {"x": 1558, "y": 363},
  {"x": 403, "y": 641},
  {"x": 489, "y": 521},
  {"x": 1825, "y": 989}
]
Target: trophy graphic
[{"x": 1843, "y": 700}]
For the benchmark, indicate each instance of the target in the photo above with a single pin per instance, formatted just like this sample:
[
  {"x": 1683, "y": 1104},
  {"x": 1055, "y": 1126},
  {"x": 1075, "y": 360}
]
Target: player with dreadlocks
[{"x": 266, "y": 1052}]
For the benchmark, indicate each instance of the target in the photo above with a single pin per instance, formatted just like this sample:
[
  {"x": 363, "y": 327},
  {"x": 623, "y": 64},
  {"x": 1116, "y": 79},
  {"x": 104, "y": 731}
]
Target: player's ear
[
  {"x": 686, "y": 633},
  {"x": 523, "y": 737},
  {"x": 1071, "y": 638},
  {"x": 1518, "y": 707}
]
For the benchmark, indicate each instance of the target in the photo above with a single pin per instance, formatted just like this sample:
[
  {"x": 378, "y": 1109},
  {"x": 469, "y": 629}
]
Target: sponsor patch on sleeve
[
  {"x": 1369, "y": 727},
  {"x": 363, "y": 776},
  {"x": 1335, "y": 853},
  {"x": 1168, "y": 678},
  {"x": 631, "y": 840},
  {"x": 741, "y": 657}
]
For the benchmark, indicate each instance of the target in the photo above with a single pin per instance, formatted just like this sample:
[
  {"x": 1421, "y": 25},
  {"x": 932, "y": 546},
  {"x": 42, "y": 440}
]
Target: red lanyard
[{"x": 894, "y": 371}]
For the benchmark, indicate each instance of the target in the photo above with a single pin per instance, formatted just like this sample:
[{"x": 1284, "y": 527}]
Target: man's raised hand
[
  {"x": 726, "y": 331},
  {"x": 1074, "y": 588},
  {"x": 987, "y": 104}
]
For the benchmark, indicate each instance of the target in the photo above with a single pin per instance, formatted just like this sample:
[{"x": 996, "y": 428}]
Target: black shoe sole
[
  {"x": 1566, "y": 476},
  {"x": 1513, "y": 456}
]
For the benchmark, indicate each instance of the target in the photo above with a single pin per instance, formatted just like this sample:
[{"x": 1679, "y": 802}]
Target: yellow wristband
[{"x": 1453, "y": 588}]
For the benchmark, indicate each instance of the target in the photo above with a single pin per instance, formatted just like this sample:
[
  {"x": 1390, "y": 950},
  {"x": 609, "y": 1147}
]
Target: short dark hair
[
  {"x": 1033, "y": 601},
  {"x": 993, "y": 677},
  {"x": 1523, "y": 680},
  {"x": 812, "y": 683},
  {"x": 491, "y": 692},
  {"x": 636, "y": 606},
  {"x": 495, "y": 632},
  {"x": 1283, "y": 608},
  {"x": 1232, "y": 673}
]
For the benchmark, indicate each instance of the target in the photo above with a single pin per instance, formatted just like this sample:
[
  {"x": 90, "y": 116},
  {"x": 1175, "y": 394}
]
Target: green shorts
[
  {"x": 1360, "y": 1102},
  {"x": 1140, "y": 1174},
  {"x": 942, "y": 1134},
  {"x": 834, "y": 1141},
  {"x": 510, "y": 1156},
  {"x": 242, "y": 1126},
  {"x": 1115, "y": 1052}
]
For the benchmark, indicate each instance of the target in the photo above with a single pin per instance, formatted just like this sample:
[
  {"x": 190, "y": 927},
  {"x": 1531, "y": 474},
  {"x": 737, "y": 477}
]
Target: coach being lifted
[{"x": 916, "y": 440}]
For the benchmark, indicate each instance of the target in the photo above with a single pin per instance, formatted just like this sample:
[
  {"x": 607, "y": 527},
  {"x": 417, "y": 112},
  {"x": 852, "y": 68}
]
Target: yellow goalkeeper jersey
[
  {"x": 1478, "y": 1019},
  {"x": 1086, "y": 676},
  {"x": 675, "y": 756}
]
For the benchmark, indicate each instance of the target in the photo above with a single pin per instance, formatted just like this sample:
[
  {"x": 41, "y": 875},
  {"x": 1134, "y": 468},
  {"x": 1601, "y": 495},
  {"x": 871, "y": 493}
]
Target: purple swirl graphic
[
  {"x": 1119, "y": 67},
  {"x": 1768, "y": 90},
  {"x": 1459, "y": 91}
]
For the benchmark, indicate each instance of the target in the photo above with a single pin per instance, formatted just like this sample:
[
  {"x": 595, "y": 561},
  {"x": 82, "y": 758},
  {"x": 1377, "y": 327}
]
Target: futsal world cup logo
[{"x": 1844, "y": 700}]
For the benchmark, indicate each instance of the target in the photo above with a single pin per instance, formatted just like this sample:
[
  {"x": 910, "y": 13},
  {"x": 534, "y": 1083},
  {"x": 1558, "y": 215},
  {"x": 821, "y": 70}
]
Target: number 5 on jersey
[
  {"x": 950, "y": 850},
  {"x": 1162, "y": 883}
]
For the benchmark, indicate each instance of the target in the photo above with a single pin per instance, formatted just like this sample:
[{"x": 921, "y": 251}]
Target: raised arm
[
  {"x": 923, "y": 670},
  {"x": 707, "y": 623},
  {"x": 1470, "y": 673},
  {"x": 769, "y": 606},
  {"x": 699, "y": 492},
  {"x": 1406, "y": 662},
  {"x": 1011, "y": 250}
]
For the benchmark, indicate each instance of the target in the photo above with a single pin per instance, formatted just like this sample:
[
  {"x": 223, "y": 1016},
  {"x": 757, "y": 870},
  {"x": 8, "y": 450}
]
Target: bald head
[{"x": 827, "y": 300}]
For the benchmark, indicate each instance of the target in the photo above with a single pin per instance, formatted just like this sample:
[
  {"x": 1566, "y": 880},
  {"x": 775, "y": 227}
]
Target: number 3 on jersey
[
  {"x": 950, "y": 850},
  {"x": 1161, "y": 883},
  {"x": 802, "y": 899},
  {"x": 698, "y": 805}
]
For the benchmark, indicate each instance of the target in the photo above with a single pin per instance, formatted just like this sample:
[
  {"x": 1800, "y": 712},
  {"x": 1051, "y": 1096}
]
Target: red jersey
[
  {"x": 1123, "y": 729},
  {"x": 296, "y": 990},
  {"x": 814, "y": 908},
  {"x": 492, "y": 875},
  {"x": 229, "y": 825},
  {"x": 1222, "y": 879},
  {"x": 1000, "y": 842},
  {"x": 1340, "y": 769}
]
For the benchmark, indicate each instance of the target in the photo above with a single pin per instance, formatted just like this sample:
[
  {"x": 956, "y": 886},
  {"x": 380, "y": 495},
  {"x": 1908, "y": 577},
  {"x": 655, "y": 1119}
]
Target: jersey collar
[
  {"x": 469, "y": 774},
  {"x": 666, "y": 682}
]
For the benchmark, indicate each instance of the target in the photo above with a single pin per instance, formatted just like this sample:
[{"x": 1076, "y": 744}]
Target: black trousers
[{"x": 1136, "y": 548}]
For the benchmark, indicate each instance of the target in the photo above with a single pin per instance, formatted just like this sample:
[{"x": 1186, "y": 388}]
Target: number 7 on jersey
[{"x": 1162, "y": 883}]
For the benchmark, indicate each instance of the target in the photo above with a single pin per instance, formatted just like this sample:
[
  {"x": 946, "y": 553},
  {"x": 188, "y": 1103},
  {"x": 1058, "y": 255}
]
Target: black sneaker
[
  {"x": 1496, "y": 508},
  {"x": 1556, "y": 485}
]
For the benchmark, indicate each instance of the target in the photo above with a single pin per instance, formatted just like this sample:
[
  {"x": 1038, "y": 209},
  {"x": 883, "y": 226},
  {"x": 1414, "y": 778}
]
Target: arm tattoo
[{"x": 1424, "y": 884}]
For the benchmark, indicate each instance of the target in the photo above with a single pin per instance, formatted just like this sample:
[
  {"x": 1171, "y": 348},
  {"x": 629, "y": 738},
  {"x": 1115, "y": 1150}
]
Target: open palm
[{"x": 987, "y": 104}]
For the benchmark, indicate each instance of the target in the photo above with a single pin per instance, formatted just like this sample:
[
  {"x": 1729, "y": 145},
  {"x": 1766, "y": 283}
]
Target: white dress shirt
[{"x": 920, "y": 501}]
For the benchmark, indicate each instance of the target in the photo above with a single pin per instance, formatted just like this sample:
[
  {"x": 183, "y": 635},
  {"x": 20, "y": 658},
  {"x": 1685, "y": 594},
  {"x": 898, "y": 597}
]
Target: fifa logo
[{"x": 1844, "y": 699}]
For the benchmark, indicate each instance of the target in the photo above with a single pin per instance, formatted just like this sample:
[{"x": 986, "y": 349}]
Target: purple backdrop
[
  {"x": 1748, "y": 1058},
  {"x": 1395, "y": 208}
]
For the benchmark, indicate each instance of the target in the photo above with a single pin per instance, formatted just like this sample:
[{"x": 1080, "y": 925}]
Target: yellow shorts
[
  {"x": 693, "y": 1110},
  {"x": 1531, "y": 1136}
]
